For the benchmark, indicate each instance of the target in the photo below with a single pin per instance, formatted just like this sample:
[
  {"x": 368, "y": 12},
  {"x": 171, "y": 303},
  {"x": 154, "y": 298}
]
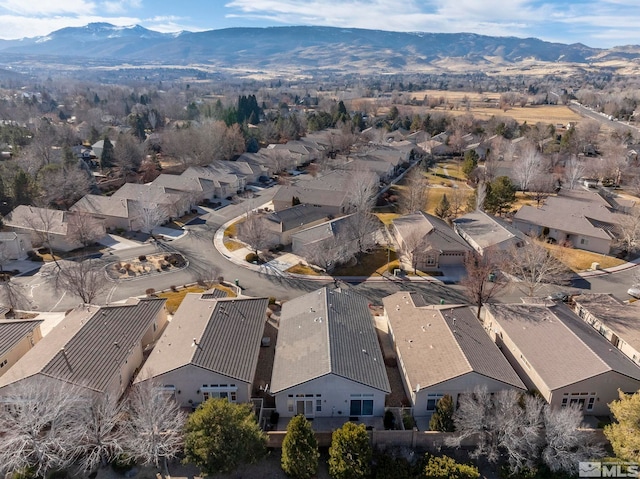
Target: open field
[{"x": 531, "y": 114}]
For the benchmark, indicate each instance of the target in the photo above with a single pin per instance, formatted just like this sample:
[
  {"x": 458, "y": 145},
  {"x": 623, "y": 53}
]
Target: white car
[{"x": 634, "y": 291}]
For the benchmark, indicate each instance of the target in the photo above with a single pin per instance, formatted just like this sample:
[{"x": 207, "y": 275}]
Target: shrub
[
  {"x": 150, "y": 291},
  {"x": 442, "y": 418},
  {"x": 389, "y": 420},
  {"x": 173, "y": 288},
  {"x": 251, "y": 257},
  {"x": 220, "y": 279},
  {"x": 123, "y": 463},
  {"x": 142, "y": 257},
  {"x": 300, "y": 449},
  {"x": 350, "y": 452},
  {"x": 127, "y": 266},
  {"x": 445, "y": 467},
  {"x": 272, "y": 300},
  {"x": 408, "y": 422}
]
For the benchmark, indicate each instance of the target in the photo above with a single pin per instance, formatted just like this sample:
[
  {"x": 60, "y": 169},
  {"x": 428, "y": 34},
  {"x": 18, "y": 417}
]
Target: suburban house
[
  {"x": 561, "y": 356},
  {"x": 285, "y": 223},
  {"x": 193, "y": 187},
  {"x": 214, "y": 183},
  {"x": 427, "y": 242},
  {"x": 328, "y": 361},
  {"x": 14, "y": 246},
  {"x": 443, "y": 350},
  {"x": 98, "y": 348},
  {"x": 59, "y": 229},
  {"x": 315, "y": 237},
  {"x": 209, "y": 349},
  {"x": 383, "y": 169},
  {"x": 615, "y": 320},
  {"x": 580, "y": 218},
  {"x": 483, "y": 231},
  {"x": 334, "y": 202},
  {"x": 17, "y": 336},
  {"x": 112, "y": 211},
  {"x": 150, "y": 206}
]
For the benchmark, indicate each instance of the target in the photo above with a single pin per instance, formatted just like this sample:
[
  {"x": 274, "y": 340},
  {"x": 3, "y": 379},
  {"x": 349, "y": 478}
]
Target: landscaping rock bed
[{"x": 145, "y": 265}]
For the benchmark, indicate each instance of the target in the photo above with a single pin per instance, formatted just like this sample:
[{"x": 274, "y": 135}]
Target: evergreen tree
[
  {"x": 469, "y": 163},
  {"x": 624, "y": 434},
  {"x": 107, "y": 159},
  {"x": 500, "y": 195},
  {"x": 442, "y": 418},
  {"x": 350, "y": 452},
  {"x": 220, "y": 436},
  {"x": 300, "y": 449},
  {"x": 443, "y": 210}
]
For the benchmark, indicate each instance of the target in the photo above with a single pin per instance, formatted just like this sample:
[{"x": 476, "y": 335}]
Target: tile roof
[
  {"x": 89, "y": 346},
  {"x": 13, "y": 330},
  {"x": 438, "y": 343},
  {"x": 621, "y": 318},
  {"x": 574, "y": 211},
  {"x": 558, "y": 345},
  {"x": 437, "y": 233},
  {"x": 486, "y": 230},
  {"x": 296, "y": 216},
  {"x": 327, "y": 332},
  {"x": 103, "y": 205},
  {"x": 227, "y": 333}
]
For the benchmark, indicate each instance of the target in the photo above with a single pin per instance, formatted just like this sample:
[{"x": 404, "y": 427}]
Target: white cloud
[
  {"x": 48, "y": 7},
  {"x": 13, "y": 26},
  {"x": 120, "y": 6}
]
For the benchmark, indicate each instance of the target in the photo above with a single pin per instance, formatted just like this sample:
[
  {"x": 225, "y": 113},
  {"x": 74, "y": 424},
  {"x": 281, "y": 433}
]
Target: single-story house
[
  {"x": 580, "y": 218},
  {"x": 98, "y": 348},
  {"x": 192, "y": 187},
  {"x": 210, "y": 349},
  {"x": 443, "y": 350},
  {"x": 14, "y": 246},
  {"x": 483, "y": 231},
  {"x": 215, "y": 183},
  {"x": 112, "y": 211},
  {"x": 17, "y": 336},
  {"x": 56, "y": 228},
  {"x": 427, "y": 242},
  {"x": 561, "y": 356},
  {"x": 617, "y": 321},
  {"x": 335, "y": 203},
  {"x": 328, "y": 361},
  {"x": 285, "y": 223},
  {"x": 314, "y": 236}
]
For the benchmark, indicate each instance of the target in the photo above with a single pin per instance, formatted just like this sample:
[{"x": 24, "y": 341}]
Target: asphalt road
[
  {"x": 205, "y": 261},
  {"x": 616, "y": 125}
]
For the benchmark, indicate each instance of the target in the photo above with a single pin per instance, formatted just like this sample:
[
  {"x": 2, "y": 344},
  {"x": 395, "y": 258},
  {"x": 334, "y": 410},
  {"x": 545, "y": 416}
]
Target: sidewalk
[{"x": 279, "y": 266}]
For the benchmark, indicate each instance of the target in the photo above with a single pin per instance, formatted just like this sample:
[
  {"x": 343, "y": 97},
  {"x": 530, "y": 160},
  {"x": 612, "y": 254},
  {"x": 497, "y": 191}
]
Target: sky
[{"x": 596, "y": 23}]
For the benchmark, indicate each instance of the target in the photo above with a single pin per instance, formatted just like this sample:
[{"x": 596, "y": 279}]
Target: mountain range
[{"x": 310, "y": 50}]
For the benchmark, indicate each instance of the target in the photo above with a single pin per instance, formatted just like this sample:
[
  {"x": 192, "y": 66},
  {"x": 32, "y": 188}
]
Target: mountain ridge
[{"x": 309, "y": 48}]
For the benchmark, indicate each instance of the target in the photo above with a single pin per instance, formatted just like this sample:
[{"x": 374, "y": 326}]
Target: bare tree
[
  {"x": 362, "y": 227},
  {"x": 84, "y": 228},
  {"x": 128, "y": 153},
  {"x": 574, "y": 169},
  {"x": 567, "y": 443},
  {"x": 413, "y": 247},
  {"x": 330, "y": 252},
  {"x": 38, "y": 427},
  {"x": 483, "y": 280},
  {"x": 481, "y": 195},
  {"x": 85, "y": 279},
  {"x": 527, "y": 166},
  {"x": 254, "y": 231},
  {"x": 628, "y": 231},
  {"x": 62, "y": 186},
  {"x": 12, "y": 295},
  {"x": 362, "y": 189},
  {"x": 415, "y": 193},
  {"x": 534, "y": 266},
  {"x": 154, "y": 427},
  {"x": 457, "y": 201},
  {"x": 148, "y": 215},
  {"x": 101, "y": 418}
]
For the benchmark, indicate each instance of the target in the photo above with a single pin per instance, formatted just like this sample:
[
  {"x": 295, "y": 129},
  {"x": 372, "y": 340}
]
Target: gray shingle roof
[
  {"x": 296, "y": 216},
  {"x": 227, "y": 333},
  {"x": 312, "y": 196},
  {"x": 103, "y": 205},
  {"x": 327, "y": 332},
  {"x": 13, "y": 330},
  {"x": 558, "y": 345},
  {"x": 89, "y": 346},
  {"x": 486, "y": 230},
  {"x": 325, "y": 230},
  {"x": 439, "y": 343},
  {"x": 436, "y": 232}
]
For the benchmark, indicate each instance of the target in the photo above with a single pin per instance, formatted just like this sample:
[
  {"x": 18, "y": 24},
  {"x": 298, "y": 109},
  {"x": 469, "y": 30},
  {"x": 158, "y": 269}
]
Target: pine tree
[
  {"x": 624, "y": 434},
  {"x": 300, "y": 449},
  {"x": 107, "y": 159},
  {"x": 443, "y": 210}
]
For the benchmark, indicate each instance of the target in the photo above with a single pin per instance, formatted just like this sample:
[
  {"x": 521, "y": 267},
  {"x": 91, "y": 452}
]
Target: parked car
[
  {"x": 559, "y": 296},
  {"x": 634, "y": 291}
]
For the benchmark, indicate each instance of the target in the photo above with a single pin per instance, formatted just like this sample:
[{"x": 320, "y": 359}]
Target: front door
[{"x": 304, "y": 407}]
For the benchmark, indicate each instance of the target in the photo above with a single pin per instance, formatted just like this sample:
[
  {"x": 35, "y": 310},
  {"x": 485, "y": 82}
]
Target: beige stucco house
[
  {"x": 561, "y": 356},
  {"x": 17, "y": 337},
  {"x": 443, "y": 350},
  {"x": 210, "y": 349}
]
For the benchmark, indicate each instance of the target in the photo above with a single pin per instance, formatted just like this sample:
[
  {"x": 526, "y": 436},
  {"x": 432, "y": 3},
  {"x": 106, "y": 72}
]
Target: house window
[
  {"x": 584, "y": 241},
  {"x": 592, "y": 400},
  {"x": 3, "y": 363},
  {"x": 222, "y": 391},
  {"x": 318, "y": 405},
  {"x": 581, "y": 401},
  {"x": 431, "y": 260},
  {"x": 432, "y": 401},
  {"x": 290, "y": 403},
  {"x": 361, "y": 407}
]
